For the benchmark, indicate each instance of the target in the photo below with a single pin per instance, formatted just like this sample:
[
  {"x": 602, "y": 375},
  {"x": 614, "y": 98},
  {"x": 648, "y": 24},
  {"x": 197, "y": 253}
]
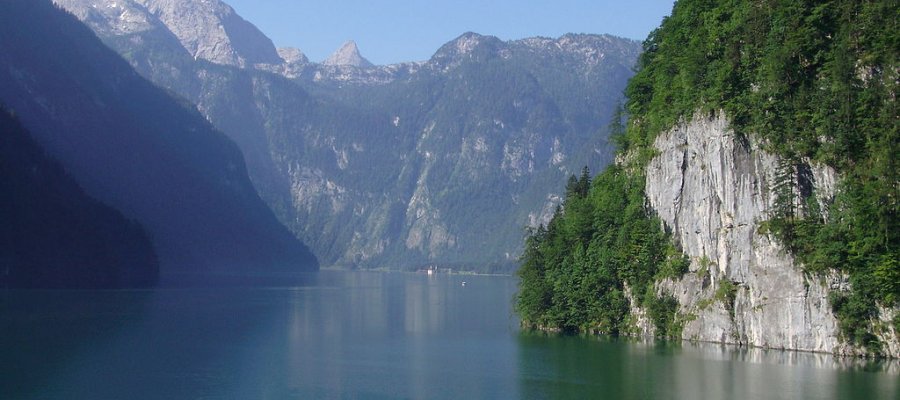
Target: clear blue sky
[{"x": 392, "y": 31}]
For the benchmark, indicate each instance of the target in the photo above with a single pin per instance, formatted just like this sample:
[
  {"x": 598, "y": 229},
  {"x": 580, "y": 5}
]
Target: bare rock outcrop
[{"x": 713, "y": 189}]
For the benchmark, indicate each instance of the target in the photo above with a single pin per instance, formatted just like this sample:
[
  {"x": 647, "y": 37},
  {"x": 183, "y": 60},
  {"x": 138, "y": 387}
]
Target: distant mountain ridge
[
  {"x": 442, "y": 162},
  {"x": 135, "y": 147}
]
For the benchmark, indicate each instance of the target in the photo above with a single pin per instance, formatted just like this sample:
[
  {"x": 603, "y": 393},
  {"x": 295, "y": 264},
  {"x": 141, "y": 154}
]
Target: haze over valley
[{"x": 443, "y": 162}]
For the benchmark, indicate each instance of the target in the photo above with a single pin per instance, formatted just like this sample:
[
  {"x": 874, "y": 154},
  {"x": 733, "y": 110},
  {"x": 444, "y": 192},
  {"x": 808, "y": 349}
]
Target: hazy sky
[{"x": 411, "y": 30}]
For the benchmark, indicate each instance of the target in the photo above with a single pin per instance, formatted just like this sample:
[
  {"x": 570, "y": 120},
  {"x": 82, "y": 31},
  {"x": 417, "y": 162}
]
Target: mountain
[
  {"x": 441, "y": 162},
  {"x": 292, "y": 55},
  {"x": 348, "y": 55},
  {"x": 755, "y": 198},
  {"x": 54, "y": 235},
  {"x": 137, "y": 148},
  {"x": 211, "y": 30},
  {"x": 207, "y": 30}
]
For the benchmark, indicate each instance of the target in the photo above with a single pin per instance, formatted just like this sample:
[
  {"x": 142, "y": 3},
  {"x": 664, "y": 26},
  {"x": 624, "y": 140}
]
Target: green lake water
[{"x": 364, "y": 335}]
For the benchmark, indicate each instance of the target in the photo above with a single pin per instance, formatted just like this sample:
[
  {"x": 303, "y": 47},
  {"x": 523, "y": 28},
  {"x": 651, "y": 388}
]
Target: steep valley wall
[{"x": 713, "y": 190}]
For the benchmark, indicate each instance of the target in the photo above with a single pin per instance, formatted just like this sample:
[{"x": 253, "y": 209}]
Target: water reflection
[
  {"x": 403, "y": 335},
  {"x": 370, "y": 335},
  {"x": 601, "y": 367},
  {"x": 42, "y": 330}
]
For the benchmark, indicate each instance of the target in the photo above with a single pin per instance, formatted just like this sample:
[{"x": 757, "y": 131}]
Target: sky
[{"x": 394, "y": 31}]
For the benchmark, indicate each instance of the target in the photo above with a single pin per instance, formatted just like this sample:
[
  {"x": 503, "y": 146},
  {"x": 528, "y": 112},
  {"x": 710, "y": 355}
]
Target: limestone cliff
[{"x": 713, "y": 189}]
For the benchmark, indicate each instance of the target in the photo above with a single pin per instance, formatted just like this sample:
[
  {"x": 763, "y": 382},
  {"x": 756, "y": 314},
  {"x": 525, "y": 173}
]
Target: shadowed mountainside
[{"x": 137, "y": 148}]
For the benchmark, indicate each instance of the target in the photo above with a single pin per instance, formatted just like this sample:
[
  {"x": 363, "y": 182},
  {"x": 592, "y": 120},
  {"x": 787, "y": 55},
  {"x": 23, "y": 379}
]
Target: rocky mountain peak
[
  {"x": 348, "y": 54},
  {"x": 466, "y": 46},
  {"x": 292, "y": 55},
  {"x": 207, "y": 29},
  {"x": 113, "y": 18},
  {"x": 212, "y": 30},
  {"x": 466, "y": 43}
]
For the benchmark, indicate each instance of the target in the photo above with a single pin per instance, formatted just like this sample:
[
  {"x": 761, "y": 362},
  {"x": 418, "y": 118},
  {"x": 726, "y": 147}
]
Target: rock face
[
  {"x": 348, "y": 55},
  {"x": 208, "y": 29},
  {"x": 451, "y": 158},
  {"x": 212, "y": 31},
  {"x": 712, "y": 190},
  {"x": 292, "y": 55},
  {"x": 119, "y": 18}
]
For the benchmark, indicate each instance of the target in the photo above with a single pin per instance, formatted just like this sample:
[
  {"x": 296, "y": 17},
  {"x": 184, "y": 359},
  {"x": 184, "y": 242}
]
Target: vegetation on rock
[{"x": 817, "y": 83}]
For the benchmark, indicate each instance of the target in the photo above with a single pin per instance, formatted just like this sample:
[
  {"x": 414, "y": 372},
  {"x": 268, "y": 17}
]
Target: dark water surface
[{"x": 371, "y": 336}]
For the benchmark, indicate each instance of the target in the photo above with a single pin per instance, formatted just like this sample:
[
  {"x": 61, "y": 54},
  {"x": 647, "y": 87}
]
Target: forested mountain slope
[{"x": 53, "y": 235}]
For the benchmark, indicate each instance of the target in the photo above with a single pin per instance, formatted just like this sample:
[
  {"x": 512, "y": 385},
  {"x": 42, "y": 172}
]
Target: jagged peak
[
  {"x": 292, "y": 55},
  {"x": 348, "y": 54},
  {"x": 210, "y": 30}
]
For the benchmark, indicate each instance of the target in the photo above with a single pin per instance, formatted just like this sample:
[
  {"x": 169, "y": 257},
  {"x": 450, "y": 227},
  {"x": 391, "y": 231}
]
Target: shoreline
[{"x": 734, "y": 346}]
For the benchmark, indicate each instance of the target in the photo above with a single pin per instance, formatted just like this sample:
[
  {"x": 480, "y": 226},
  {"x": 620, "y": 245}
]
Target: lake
[{"x": 366, "y": 335}]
